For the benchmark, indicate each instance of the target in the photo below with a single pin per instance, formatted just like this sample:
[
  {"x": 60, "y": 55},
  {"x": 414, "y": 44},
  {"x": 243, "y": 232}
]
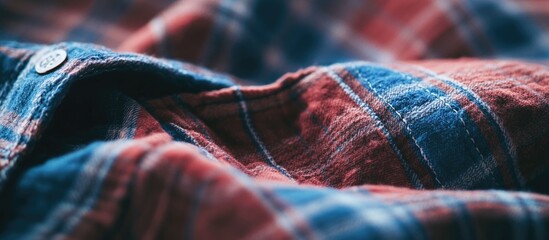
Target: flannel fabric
[
  {"x": 113, "y": 144},
  {"x": 260, "y": 40}
]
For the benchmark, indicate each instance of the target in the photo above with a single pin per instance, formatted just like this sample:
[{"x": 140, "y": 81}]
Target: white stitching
[
  {"x": 406, "y": 125},
  {"x": 510, "y": 148},
  {"x": 376, "y": 119}
]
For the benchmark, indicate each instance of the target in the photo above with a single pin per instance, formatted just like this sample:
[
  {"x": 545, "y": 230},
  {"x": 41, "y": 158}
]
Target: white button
[{"x": 50, "y": 60}]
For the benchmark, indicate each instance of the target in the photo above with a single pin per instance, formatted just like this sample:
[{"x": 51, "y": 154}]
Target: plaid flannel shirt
[{"x": 112, "y": 144}]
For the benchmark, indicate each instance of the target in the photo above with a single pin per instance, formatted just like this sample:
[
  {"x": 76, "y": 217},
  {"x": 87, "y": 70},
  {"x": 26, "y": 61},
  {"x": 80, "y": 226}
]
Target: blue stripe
[
  {"x": 444, "y": 135},
  {"x": 412, "y": 176},
  {"x": 181, "y": 134},
  {"x": 503, "y": 137},
  {"x": 346, "y": 215},
  {"x": 186, "y": 108},
  {"x": 178, "y": 133}
]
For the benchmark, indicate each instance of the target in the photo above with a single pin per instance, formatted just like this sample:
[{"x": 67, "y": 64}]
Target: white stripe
[
  {"x": 255, "y": 136},
  {"x": 378, "y": 122},
  {"x": 510, "y": 146}
]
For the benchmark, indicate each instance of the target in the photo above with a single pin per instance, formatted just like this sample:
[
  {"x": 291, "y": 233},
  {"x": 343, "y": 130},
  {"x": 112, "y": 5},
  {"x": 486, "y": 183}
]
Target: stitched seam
[
  {"x": 406, "y": 125},
  {"x": 497, "y": 125},
  {"x": 458, "y": 115},
  {"x": 379, "y": 124}
]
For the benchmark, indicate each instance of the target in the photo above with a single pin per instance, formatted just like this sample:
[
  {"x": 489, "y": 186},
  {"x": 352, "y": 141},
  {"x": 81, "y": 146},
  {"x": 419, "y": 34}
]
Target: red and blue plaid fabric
[{"x": 114, "y": 144}]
